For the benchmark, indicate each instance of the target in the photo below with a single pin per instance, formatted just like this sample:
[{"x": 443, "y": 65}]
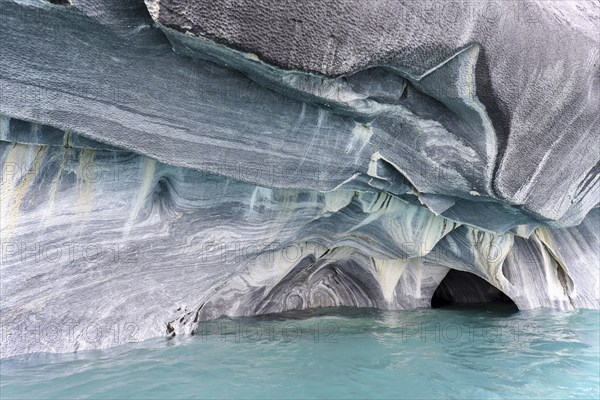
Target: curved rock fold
[{"x": 171, "y": 162}]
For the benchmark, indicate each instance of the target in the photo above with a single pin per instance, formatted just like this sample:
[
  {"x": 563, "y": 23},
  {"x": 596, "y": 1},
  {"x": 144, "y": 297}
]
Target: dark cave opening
[{"x": 461, "y": 288}]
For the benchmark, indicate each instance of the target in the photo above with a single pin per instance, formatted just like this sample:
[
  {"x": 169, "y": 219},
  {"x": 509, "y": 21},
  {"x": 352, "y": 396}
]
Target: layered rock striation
[{"x": 171, "y": 162}]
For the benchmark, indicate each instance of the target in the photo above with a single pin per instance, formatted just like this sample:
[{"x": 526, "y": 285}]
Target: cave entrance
[{"x": 461, "y": 288}]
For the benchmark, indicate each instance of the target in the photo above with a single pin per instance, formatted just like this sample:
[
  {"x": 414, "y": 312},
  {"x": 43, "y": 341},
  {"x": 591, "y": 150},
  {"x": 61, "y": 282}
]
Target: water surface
[{"x": 459, "y": 352}]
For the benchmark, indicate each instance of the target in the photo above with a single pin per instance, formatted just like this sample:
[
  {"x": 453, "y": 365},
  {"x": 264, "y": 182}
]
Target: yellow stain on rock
[{"x": 15, "y": 186}]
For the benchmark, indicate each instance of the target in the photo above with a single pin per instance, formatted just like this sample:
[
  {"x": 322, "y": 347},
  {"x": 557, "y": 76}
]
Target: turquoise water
[{"x": 445, "y": 353}]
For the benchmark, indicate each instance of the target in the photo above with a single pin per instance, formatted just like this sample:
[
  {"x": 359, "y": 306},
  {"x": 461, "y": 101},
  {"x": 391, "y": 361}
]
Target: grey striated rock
[
  {"x": 168, "y": 163},
  {"x": 537, "y": 76},
  {"x": 318, "y": 133},
  {"x": 102, "y": 246}
]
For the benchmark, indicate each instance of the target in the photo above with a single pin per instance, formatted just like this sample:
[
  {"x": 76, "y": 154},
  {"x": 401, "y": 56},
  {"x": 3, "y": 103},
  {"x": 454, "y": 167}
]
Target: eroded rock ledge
[{"x": 157, "y": 172}]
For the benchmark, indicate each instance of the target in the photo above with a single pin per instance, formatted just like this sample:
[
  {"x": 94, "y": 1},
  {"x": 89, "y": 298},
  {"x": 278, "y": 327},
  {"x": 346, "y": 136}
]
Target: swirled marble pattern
[
  {"x": 160, "y": 169},
  {"x": 112, "y": 240}
]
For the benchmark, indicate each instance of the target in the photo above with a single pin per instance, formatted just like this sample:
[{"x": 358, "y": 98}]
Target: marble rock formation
[{"x": 169, "y": 162}]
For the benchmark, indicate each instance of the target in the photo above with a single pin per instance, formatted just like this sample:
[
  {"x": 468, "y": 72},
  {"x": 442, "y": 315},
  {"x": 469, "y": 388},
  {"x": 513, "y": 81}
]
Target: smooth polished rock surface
[
  {"x": 102, "y": 246},
  {"x": 155, "y": 176}
]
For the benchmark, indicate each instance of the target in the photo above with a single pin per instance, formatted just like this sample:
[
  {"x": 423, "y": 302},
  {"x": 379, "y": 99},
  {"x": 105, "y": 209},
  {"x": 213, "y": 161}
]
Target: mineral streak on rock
[
  {"x": 538, "y": 75},
  {"x": 170, "y": 162}
]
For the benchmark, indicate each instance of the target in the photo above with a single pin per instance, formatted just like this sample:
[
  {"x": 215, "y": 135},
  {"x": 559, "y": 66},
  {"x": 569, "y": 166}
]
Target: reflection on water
[{"x": 454, "y": 352}]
